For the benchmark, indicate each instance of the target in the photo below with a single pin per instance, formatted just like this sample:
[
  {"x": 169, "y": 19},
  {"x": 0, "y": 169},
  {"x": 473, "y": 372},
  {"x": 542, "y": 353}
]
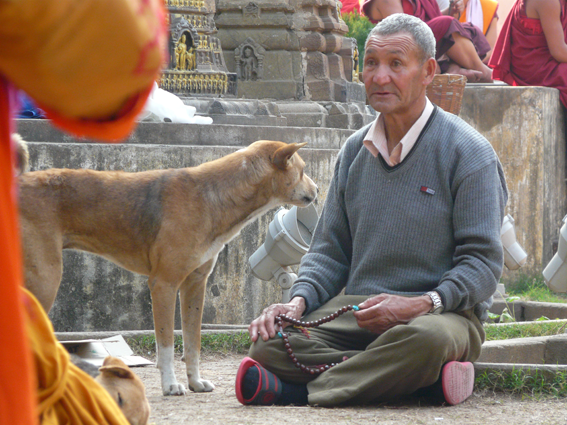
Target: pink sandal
[{"x": 457, "y": 379}]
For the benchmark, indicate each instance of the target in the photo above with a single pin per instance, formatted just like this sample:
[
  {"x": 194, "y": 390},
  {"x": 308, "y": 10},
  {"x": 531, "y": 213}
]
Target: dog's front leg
[
  {"x": 163, "y": 306},
  {"x": 191, "y": 297}
]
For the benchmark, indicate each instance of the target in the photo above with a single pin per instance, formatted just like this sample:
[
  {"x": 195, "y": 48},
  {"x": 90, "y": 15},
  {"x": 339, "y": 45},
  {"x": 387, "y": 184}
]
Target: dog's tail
[{"x": 22, "y": 154}]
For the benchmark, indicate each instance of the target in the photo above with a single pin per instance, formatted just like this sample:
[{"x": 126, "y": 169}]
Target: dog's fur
[
  {"x": 22, "y": 154},
  {"x": 167, "y": 224},
  {"x": 122, "y": 384}
]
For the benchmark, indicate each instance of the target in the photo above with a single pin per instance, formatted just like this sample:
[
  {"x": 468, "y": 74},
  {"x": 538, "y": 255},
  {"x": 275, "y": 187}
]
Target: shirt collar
[{"x": 375, "y": 140}]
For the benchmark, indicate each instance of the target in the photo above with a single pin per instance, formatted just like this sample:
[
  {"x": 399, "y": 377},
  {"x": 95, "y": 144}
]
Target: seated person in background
[
  {"x": 411, "y": 231},
  {"x": 531, "y": 48},
  {"x": 460, "y": 47},
  {"x": 482, "y": 13}
]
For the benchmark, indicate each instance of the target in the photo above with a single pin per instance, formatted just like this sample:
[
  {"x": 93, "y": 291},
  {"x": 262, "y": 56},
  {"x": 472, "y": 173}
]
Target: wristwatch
[{"x": 437, "y": 303}]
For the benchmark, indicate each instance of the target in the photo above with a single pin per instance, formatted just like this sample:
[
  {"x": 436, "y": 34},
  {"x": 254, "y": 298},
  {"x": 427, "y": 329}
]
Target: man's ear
[{"x": 429, "y": 68}]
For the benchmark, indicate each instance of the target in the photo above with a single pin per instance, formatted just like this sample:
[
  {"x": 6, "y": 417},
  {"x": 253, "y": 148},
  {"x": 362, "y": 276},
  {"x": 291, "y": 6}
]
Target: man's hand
[
  {"x": 384, "y": 311},
  {"x": 264, "y": 325}
]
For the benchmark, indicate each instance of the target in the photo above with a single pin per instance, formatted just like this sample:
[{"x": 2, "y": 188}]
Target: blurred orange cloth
[
  {"x": 66, "y": 394},
  {"x": 87, "y": 63},
  {"x": 17, "y": 380},
  {"x": 489, "y": 8},
  {"x": 90, "y": 65}
]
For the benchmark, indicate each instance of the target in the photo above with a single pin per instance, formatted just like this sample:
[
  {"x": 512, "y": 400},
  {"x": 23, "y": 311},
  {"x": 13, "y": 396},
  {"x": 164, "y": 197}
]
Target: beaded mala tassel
[{"x": 312, "y": 370}]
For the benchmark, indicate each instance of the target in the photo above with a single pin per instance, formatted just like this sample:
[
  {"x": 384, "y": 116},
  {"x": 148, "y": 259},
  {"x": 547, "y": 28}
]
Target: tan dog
[
  {"x": 122, "y": 384},
  {"x": 167, "y": 224}
]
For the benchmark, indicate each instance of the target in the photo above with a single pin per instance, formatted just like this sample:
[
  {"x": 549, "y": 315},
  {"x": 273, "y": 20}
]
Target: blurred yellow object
[{"x": 66, "y": 394}]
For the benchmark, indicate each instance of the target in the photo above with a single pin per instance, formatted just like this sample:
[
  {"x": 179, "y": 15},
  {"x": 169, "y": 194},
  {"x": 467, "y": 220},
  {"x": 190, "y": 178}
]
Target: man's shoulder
[
  {"x": 460, "y": 136},
  {"x": 355, "y": 142}
]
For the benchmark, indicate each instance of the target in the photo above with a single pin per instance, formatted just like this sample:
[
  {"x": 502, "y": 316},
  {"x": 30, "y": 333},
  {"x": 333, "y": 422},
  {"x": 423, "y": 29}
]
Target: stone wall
[{"x": 525, "y": 126}]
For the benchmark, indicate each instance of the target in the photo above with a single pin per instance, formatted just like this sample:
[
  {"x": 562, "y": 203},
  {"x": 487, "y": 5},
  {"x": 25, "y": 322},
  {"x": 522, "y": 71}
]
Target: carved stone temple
[
  {"x": 196, "y": 63},
  {"x": 289, "y": 49},
  {"x": 266, "y": 62}
]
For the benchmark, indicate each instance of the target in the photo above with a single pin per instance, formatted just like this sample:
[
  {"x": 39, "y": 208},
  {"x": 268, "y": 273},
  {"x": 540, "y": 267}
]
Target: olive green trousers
[{"x": 379, "y": 367}]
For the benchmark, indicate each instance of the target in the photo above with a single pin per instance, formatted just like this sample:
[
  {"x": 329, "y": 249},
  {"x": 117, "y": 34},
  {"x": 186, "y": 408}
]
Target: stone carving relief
[
  {"x": 249, "y": 58},
  {"x": 185, "y": 54},
  {"x": 252, "y": 9},
  {"x": 185, "y": 3}
]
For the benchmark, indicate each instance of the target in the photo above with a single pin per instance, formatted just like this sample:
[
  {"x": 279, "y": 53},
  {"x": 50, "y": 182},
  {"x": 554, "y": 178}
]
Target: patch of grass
[
  {"x": 524, "y": 383},
  {"x": 533, "y": 288},
  {"x": 213, "y": 343},
  {"x": 238, "y": 343},
  {"x": 144, "y": 345},
  {"x": 524, "y": 330}
]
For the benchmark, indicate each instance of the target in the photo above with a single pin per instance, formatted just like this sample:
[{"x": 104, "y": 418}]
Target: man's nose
[{"x": 381, "y": 75}]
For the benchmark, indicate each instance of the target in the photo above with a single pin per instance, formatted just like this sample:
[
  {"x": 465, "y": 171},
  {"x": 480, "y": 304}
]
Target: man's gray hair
[{"x": 401, "y": 22}]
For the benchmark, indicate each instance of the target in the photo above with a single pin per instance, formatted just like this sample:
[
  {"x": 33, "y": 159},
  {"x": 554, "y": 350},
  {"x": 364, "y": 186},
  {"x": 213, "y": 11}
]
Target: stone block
[
  {"x": 320, "y": 90},
  {"x": 520, "y": 350},
  {"x": 268, "y": 89},
  {"x": 535, "y": 310},
  {"x": 336, "y": 67},
  {"x": 317, "y": 66},
  {"x": 556, "y": 350}
]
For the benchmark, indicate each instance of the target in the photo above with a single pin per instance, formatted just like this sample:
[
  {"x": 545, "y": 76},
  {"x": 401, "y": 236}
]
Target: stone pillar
[{"x": 296, "y": 50}]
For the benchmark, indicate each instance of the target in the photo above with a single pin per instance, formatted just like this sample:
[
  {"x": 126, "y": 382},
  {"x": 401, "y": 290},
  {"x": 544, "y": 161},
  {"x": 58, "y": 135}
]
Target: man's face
[{"x": 393, "y": 74}]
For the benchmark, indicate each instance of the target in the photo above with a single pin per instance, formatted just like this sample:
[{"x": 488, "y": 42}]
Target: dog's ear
[
  {"x": 282, "y": 155},
  {"x": 116, "y": 367}
]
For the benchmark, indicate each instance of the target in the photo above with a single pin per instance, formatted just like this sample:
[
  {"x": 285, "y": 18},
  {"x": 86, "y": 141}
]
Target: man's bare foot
[
  {"x": 486, "y": 75},
  {"x": 472, "y": 75}
]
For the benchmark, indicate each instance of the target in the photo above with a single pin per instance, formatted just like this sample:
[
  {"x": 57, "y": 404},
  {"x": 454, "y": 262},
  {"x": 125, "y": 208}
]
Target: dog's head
[
  {"x": 126, "y": 389},
  {"x": 289, "y": 181}
]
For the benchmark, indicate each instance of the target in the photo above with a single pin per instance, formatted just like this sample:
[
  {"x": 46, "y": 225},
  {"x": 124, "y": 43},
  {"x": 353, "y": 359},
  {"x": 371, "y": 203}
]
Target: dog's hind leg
[
  {"x": 43, "y": 266},
  {"x": 163, "y": 306},
  {"x": 192, "y": 296}
]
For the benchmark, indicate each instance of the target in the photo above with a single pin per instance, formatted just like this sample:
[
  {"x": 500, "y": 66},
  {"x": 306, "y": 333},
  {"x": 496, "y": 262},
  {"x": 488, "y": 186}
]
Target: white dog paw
[
  {"x": 175, "y": 389},
  {"x": 201, "y": 386}
]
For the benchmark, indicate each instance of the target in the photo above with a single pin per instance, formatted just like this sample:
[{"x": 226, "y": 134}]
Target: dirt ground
[{"x": 221, "y": 406}]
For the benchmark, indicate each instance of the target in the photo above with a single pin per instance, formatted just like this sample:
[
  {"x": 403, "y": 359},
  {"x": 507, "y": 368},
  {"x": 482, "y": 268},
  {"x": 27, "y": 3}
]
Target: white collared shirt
[{"x": 375, "y": 140}]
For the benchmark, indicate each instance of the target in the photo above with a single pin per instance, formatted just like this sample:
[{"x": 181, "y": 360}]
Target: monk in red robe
[
  {"x": 460, "y": 46},
  {"x": 531, "y": 48}
]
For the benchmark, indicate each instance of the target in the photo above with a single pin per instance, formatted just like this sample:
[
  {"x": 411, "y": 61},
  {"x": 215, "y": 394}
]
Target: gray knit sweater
[{"x": 431, "y": 222}]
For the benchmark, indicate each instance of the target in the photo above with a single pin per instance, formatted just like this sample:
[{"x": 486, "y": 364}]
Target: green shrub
[{"x": 358, "y": 28}]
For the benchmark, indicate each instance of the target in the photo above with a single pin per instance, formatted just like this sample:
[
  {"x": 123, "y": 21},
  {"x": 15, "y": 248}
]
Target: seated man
[
  {"x": 460, "y": 47},
  {"x": 531, "y": 48},
  {"x": 410, "y": 230}
]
